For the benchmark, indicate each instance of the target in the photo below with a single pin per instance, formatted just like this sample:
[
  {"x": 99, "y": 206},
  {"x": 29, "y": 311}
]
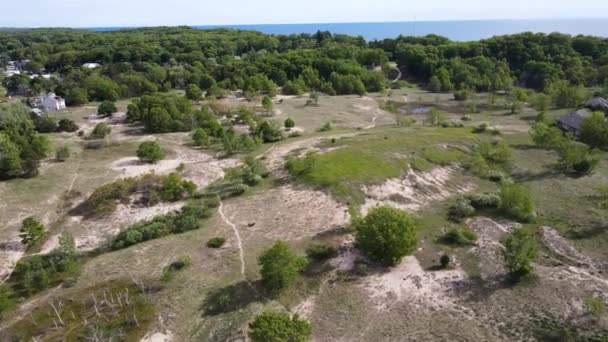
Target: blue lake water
[{"x": 455, "y": 30}]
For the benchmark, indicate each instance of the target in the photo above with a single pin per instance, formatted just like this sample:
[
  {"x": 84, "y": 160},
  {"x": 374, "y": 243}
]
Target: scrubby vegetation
[
  {"x": 186, "y": 219},
  {"x": 150, "y": 190},
  {"x": 519, "y": 253},
  {"x": 275, "y": 327}
]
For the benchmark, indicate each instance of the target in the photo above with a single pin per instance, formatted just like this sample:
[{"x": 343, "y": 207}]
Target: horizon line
[{"x": 304, "y": 23}]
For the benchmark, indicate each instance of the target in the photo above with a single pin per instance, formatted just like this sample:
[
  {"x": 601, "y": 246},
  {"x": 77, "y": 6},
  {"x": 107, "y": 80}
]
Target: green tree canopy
[
  {"x": 272, "y": 326},
  {"x": 279, "y": 266},
  {"x": 150, "y": 152},
  {"x": 386, "y": 234}
]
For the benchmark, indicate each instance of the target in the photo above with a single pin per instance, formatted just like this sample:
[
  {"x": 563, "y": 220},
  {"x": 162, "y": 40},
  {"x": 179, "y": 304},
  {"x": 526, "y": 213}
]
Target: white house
[{"x": 51, "y": 102}]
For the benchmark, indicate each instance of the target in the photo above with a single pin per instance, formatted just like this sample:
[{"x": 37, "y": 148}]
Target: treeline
[
  {"x": 142, "y": 61},
  {"x": 533, "y": 60},
  {"x": 149, "y": 60}
]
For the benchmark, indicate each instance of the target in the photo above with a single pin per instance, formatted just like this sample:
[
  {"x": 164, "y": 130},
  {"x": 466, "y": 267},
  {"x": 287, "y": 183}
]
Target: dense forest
[{"x": 150, "y": 60}]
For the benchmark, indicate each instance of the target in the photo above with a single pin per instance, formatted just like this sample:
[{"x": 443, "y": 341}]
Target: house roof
[
  {"x": 574, "y": 119},
  {"x": 597, "y": 103}
]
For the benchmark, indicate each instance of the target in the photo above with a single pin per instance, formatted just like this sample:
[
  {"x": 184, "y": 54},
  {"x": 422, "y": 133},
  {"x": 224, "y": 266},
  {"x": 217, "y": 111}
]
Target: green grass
[{"x": 382, "y": 154}]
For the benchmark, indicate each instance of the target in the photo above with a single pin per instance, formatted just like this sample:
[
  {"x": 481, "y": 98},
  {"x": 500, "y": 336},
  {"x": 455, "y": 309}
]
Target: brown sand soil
[
  {"x": 286, "y": 213},
  {"x": 488, "y": 247},
  {"x": 420, "y": 288},
  {"x": 415, "y": 190}
]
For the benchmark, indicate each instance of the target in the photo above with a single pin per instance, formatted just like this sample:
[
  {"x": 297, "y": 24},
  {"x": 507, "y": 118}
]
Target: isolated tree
[
  {"x": 519, "y": 252},
  {"x": 289, "y": 123},
  {"x": 31, "y": 231},
  {"x": 272, "y": 326},
  {"x": 107, "y": 108},
  {"x": 193, "y": 92},
  {"x": 267, "y": 104},
  {"x": 67, "y": 245},
  {"x": 150, "y": 152},
  {"x": 386, "y": 235},
  {"x": 280, "y": 266},
  {"x": 200, "y": 137}
]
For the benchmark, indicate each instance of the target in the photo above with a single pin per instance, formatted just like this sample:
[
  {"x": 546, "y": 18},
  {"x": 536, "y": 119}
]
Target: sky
[{"x": 105, "y": 13}]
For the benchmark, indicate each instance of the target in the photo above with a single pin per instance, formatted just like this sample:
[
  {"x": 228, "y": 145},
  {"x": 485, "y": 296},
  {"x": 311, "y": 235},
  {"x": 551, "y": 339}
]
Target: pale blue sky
[{"x": 95, "y": 13}]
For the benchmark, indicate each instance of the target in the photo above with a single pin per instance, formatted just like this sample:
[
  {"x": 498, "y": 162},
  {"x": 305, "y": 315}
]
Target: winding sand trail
[{"x": 238, "y": 238}]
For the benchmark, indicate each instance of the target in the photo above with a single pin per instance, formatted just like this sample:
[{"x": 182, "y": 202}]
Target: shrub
[
  {"x": 519, "y": 252},
  {"x": 67, "y": 125},
  {"x": 594, "y": 306},
  {"x": 101, "y": 130},
  {"x": 107, "y": 108},
  {"x": 325, "y": 128},
  {"x": 216, "y": 242},
  {"x": 486, "y": 200},
  {"x": 459, "y": 237},
  {"x": 6, "y": 298},
  {"x": 279, "y": 266},
  {"x": 279, "y": 327},
  {"x": 516, "y": 202},
  {"x": 434, "y": 117},
  {"x": 301, "y": 166},
  {"x": 289, "y": 123},
  {"x": 462, "y": 95},
  {"x": 577, "y": 157},
  {"x": 193, "y": 92},
  {"x": 175, "y": 188},
  {"x": 62, "y": 153},
  {"x": 200, "y": 137},
  {"x": 406, "y": 121},
  {"x": 321, "y": 251},
  {"x": 461, "y": 209},
  {"x": 169, "y": 271},
  {"x": 545, "y": 136},
  {"x": 386, "y": 235},
  {"x": 31, "y": 232},
  {"x": 150, "y": 152},
  {"x": 445, "y": 260}
]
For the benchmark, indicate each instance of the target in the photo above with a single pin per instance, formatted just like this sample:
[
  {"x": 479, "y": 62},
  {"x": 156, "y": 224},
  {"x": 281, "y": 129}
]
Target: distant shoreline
[{"x": 458, "y": 30}]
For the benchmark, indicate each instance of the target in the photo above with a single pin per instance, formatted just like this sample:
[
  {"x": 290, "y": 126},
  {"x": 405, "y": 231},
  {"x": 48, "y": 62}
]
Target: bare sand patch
[
  {"x": 286, "y": 213},
  {"x": 420, "y": 288},
  {"x": 10, "y": 252},
  {"x": 201, "y": 168},
  {"x": 166, "y": 336},
  {"x": 563, "y": 248},
  {"x": 306, "y": 308},
  {"x": 415, "y": 190},
  {"x": 488, "y": 247}
]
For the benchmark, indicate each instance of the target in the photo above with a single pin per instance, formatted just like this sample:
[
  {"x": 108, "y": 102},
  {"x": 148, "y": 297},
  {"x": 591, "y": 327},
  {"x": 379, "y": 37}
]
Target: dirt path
[{"x": 238, "y": 238}]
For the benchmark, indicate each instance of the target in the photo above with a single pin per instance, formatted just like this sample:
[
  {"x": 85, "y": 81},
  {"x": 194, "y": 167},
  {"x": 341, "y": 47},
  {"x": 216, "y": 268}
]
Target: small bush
[
  {"x": 462, "y": 95},
  {"x": 321, "y": 251},
  {"x": 67, "y": 125},
  {"x": 150, "y": 152},
  {"x": 62, "y": 153},
  {"x": 216, "y": 242},
  {"x": 101, "y": 130},
  {"x": 595, "y": 306},
  {"x": 445, "y": 260},
  {"x": 520, "y": 250},
  {"x": 169, "y": 271},
  {"x": 107, "y": 108},
  {"x": 326, "y": 128},
  {"x": 516, "y": 202},
  {"x": 486, "y": 200},
  {"x": 279, "y": 266},
  {"x": 406, "y": 121},
  {"x": 459, "y": 237},
  {"x": 275, "y": 327},
  {"x": 289, "y": 124},
  {"x": 461, "y": 209}
]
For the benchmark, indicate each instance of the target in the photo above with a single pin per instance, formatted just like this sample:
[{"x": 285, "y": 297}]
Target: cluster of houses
[
  {"x": 571, "y": 122},
  {"x": 17, "y": 68}
]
